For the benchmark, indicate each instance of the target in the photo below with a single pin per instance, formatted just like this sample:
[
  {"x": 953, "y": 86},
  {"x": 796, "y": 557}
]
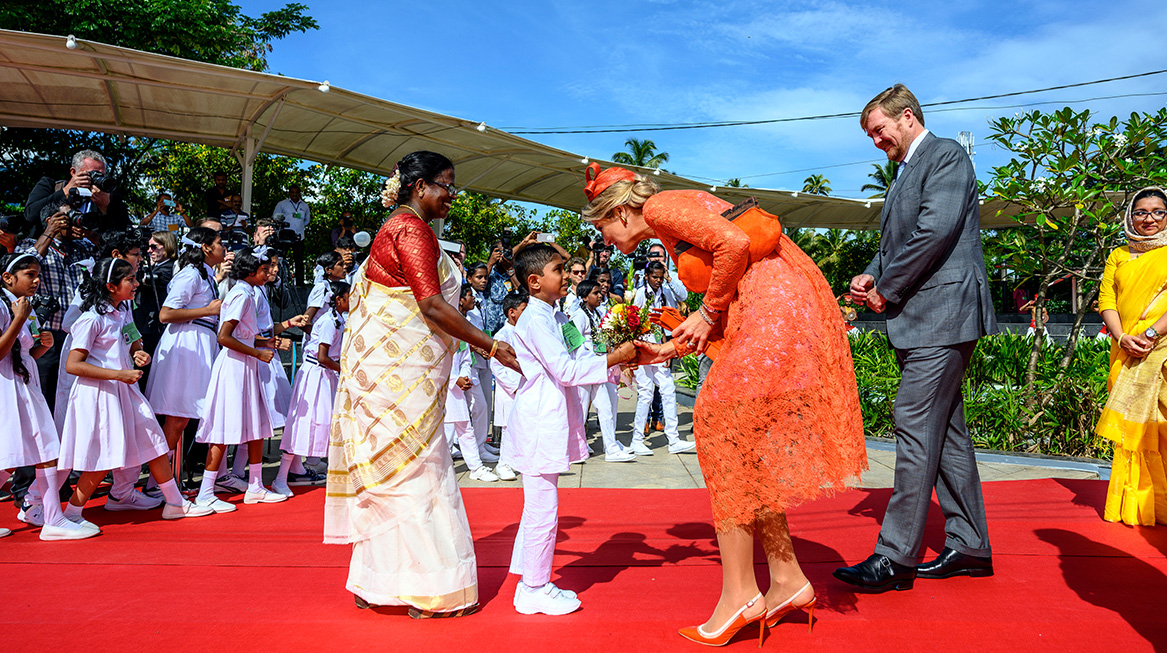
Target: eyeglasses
[
  {"x": 154, "y": 246},
  {"x": 1158, "y": 213},
  {"x": 449, "y": 187}
]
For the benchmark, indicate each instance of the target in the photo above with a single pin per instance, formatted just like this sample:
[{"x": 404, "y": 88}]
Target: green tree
[
  {"x": 881, "y": 177},
  {"x": 816, "y": 185},
  {"x": 1071, "y": 179},
  {"x": 641, "y": 153},
  {"x": 736, "y": 183}
]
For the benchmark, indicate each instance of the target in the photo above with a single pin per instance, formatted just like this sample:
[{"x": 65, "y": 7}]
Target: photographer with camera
[
  {"x": 347, "y": 227},
  {"x": 294, "y": 214},
  {"x": 89, "y": 181},
  {"x": 168, "y": 215},
  {"x": 154, "y": 276},
  {"x": 501, "y": 279},
  {"x": 600, "y": 255}
]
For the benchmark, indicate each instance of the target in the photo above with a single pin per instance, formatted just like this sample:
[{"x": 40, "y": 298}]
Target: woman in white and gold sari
[
  {"x": 392, "y": 492},
  {"x": 1133, "y": 301}
]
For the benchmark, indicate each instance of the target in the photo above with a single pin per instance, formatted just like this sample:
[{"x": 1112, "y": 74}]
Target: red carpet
[{"x": 643, "y": 561}]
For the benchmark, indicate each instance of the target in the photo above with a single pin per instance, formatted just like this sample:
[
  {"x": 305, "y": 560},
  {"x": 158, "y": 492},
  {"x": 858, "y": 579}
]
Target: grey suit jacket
[{"x": 930, "y": 266}]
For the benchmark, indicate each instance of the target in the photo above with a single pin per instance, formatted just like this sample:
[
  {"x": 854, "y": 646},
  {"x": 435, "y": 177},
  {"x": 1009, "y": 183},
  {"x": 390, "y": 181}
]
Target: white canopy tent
[{"x": 64, "y": 83}]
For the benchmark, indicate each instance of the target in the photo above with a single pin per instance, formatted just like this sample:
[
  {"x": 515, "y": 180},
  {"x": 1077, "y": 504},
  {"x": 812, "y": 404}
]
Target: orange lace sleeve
[
  {"x": 406, "y": 253},
  {"x": 695, "y": 217}
]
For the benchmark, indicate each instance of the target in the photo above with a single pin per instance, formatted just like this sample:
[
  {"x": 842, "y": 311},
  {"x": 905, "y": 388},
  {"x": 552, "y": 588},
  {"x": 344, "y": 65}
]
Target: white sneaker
[
  {"x": 640, "y": 449},
  {"x": 282, "y": 489},
  {"x": 505, "y": 473},
  {"x": 33, "y": 515},
  {"x": 230, "y": 484},
  {"x": 187, "y": 509},
  {"x": 483, "y": 474},
  {"x": 488, "y": 457},
  {"x": 133, "y": 501},
  {"x": 4, "y": 532},
  {"x": 263, "y": 495},
  {"x": 567, "y": 593},
  {"x": 84, "y": 523},
  {"x": 217, "y": 505},
  {"x": 681, "y": 446},
  {"x": 548, "y": 599},
  {"x": 621, "y": 456},
  {"x": 50, "y": 533}
]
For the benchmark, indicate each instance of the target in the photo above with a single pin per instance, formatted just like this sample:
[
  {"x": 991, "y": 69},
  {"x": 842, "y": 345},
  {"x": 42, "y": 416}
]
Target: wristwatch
[{"x": 1151, "y": 333}]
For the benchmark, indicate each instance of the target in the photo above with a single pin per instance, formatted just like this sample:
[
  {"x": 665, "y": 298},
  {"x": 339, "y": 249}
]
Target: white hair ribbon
[
  {"x": 187, "y": 242},
  {"x": 18, "y": 259},
  {"x": 263, "y": 253}
]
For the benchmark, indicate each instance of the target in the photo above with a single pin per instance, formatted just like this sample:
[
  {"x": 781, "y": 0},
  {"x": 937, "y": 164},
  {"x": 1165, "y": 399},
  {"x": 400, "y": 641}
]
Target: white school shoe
[
  {"x": 681, "y": 446},
  {"x": 640, "y": 449},
  {"x": 230, "y": 484},
  {"x": 84, "y": 523},
  {"x": 4, "y": 532},
  {"x": 483, "y": 474},
  {"x": 263, "y": 495},
  {"x": 505, "y": 472},
  {"x": 621, "y": 456},
  {"x": 218, "y": 505},
  {"x": 488, "y": 457},
  {"x": 186, "y": 509},
  {"x": 133, "y": 501},
  {"x": 548, "y": 599},
  {"x": 33, "y": 515},
  {"x": 50, "y": 533},
  {"x": 282, "y": 489}
]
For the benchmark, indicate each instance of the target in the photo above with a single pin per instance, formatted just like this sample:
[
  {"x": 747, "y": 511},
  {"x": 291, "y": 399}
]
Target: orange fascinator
[{"x": 596, "y": 182}]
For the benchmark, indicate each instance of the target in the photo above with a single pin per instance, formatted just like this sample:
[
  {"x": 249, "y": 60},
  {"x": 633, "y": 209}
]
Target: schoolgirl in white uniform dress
[
  {"x": 29, "y": 436},
  {"x": 108, "y": 424},
  {"x": 236, "y": 409},
  {"x": 309, "y": 419}
]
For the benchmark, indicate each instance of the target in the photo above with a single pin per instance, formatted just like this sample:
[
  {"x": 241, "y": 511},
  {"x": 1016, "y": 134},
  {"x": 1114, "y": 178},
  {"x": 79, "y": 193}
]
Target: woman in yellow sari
[
  {"x": 392, "y": 492},
  {"x": 1133, "y": 302}
]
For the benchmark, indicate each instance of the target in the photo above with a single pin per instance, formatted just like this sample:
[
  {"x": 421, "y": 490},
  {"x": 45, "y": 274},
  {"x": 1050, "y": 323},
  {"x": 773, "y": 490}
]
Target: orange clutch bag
[
  {"x": 694, "y": 265},
  {"x": 670, "y": 318}
]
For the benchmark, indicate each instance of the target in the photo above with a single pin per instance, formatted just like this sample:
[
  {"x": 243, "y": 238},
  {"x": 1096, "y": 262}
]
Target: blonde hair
[
  {"x": 892, "y": 102},
  {"x": 632, "y": 193}
]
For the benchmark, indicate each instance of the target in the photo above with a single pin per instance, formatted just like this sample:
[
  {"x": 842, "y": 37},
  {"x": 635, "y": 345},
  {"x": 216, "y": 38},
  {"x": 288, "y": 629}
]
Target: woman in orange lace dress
[{"x": 777, "y": 421}]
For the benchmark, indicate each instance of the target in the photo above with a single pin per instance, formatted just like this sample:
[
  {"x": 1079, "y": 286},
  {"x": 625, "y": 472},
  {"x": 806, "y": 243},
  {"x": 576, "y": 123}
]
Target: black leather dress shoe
[
  {"x": 878, "y": 574},
  {"x": 954, "y": 563}
]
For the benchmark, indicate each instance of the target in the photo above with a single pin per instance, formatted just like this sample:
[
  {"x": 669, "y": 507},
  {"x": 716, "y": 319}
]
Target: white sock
[
  {"x": 255, "y": 482},
  {"x": 240, "y": 460},
  {"x": 72, "y": 513},
  {"x": 207, "y": 488},
  {"x": 285, "y": 466},
  {"x": 50, "y": 488},
  {"x": 171, "y": 493},
  {"x": 298, "y": 466}
]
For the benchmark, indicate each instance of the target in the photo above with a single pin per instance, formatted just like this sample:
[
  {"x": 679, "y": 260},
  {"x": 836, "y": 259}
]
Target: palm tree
[
  {"x": 735, "y": 183},
  {"x": 816, "y": 185},
  {"x": 641, "y": 153},
  {"x": 882, "y": 176}
]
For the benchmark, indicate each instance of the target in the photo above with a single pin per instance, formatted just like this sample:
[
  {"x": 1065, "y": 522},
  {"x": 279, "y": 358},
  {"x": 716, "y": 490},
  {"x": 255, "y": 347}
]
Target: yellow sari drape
[
  {"x": 392, "y": 491},
  {"x": 1135, "y": 416}
]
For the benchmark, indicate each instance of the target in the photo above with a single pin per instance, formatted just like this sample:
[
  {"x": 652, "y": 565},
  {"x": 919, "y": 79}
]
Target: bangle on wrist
[{"x": 705, "y": 316}]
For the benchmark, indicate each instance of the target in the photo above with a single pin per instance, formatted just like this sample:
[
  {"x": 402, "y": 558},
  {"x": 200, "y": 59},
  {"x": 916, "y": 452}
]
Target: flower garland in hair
[{"x": 392, "y": 187}]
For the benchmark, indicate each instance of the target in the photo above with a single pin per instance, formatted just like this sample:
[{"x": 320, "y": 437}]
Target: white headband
[
  {"x": 109, "y": 275},
  {"x": 18, "y": 259}
]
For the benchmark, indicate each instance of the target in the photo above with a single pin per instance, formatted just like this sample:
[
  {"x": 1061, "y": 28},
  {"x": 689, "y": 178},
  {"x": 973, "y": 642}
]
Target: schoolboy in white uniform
[
  {"x": 508, "y": 382},
  {"x": 656, "y": 295},
  {"x": 465, "y": 419},
  {"x": 546, "y": 424}
]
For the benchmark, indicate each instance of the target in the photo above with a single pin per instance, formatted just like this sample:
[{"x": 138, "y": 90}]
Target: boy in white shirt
[
  {"x": 546, "y": 423},
  {"x": 655, "y": 294},
  {"x": 466, "y": 420},
  {"x": 508, "y": 382}
]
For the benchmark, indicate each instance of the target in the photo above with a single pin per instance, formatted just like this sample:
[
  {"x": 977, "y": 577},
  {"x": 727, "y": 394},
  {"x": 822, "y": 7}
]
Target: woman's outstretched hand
[
  {"x": 648, "y": 353},
  {"x": 695, "y": 331},
  {"x": 505, "y": 354}
]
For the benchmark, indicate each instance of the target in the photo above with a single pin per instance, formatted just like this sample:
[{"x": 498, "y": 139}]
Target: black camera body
[
  {"x": 44, "y": 306},
  {"x": 82, "y": 212},
  {"x": 506, "y": 238},
  {"x": 105, "y": 183},
  {"x": 234, "y": 239},
  {"x": 284, "y": 237}
]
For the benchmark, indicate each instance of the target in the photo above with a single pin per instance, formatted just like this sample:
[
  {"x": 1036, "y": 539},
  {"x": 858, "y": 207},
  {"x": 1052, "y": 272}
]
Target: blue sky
[{"x": 567, "y": 64}]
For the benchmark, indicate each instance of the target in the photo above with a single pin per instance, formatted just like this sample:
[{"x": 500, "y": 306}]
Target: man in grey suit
[{"x": 930, "y": 276}]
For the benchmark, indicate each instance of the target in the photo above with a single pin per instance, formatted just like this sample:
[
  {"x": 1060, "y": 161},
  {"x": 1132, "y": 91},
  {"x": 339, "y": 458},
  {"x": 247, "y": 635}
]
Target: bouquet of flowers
[{"x": 624, "y": 323}]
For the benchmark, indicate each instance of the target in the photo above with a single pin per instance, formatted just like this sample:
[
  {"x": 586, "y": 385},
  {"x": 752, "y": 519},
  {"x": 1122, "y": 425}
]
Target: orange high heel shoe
[
  {"x": 786, "y": 607},
  {"x": 721, "y": 636}
]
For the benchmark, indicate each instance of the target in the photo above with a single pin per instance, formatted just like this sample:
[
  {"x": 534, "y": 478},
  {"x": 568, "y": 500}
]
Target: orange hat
[{"x": 596, "y": 182}]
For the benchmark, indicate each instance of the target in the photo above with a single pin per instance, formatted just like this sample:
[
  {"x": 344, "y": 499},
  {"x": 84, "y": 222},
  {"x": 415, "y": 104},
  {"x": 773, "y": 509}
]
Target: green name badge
[
  {"x": 572, "y": 337},
  {"x": 33, "y": 327},
  {"x": 130, "y": 333}
]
